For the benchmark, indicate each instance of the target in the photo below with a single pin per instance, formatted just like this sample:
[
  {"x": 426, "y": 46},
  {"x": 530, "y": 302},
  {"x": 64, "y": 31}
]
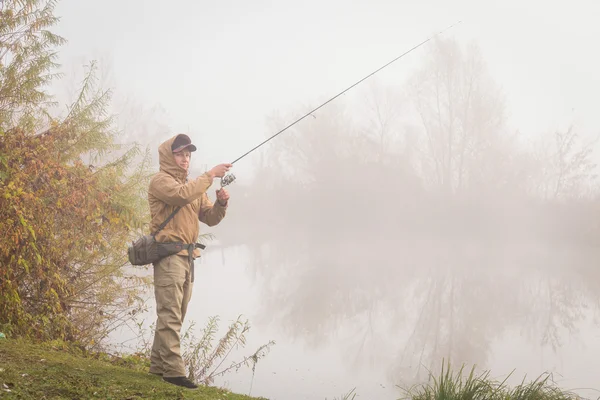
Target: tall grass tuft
[
  {"x": 540, "y": 389},
  {"x": 454, "y": 386},
  {"x": 459, "y": 386}
]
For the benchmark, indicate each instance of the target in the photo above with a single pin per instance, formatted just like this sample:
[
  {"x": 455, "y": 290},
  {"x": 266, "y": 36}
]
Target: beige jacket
[{"x": 170, "y": 188}]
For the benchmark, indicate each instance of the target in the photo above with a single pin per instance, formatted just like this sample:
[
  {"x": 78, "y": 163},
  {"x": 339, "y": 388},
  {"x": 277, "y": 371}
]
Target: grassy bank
[
  {"x": 47, "y": 372},
  {"x": 53, "y": 371}
]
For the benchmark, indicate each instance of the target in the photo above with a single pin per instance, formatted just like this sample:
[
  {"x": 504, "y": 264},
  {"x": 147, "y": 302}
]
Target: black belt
[{"x": 190, "y": 250}]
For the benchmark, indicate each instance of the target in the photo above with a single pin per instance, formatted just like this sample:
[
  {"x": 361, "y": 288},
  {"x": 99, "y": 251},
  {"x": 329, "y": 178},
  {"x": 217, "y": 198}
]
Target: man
[{"x": 174, "y": 275}]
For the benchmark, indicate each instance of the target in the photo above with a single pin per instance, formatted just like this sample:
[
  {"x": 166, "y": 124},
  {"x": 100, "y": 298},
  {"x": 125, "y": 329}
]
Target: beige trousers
[{"x": 173, "y": 291}]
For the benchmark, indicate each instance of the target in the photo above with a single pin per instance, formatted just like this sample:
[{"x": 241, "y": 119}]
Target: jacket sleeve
[
  {"x": 168, "y": 190},
  {"x": 211, "y": 214}
]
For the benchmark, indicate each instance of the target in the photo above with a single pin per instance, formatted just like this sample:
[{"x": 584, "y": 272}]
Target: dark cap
[{"x": 182, "y": 142}]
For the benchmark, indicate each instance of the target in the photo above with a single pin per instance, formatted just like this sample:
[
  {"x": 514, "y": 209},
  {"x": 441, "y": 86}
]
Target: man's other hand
[{"x": 222, "y": 196}]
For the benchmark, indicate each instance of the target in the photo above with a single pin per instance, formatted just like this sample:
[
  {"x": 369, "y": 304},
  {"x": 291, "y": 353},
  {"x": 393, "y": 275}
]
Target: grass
[
  {"x": 34, "y": 371},
  {"x": 459, "y": 386}
]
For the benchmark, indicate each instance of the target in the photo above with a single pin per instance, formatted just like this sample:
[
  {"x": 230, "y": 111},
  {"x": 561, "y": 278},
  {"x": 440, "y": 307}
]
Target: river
[{"x": 297, "y": 370}]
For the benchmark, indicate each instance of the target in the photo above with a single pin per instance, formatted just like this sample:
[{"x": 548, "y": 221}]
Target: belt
[{"x": 190, "y": 250}]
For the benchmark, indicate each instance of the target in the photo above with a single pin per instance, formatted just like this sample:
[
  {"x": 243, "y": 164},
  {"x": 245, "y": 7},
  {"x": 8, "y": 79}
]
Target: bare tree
[
  {"x": 461, "y": 111},
  {"x": 565, "y": 166}
]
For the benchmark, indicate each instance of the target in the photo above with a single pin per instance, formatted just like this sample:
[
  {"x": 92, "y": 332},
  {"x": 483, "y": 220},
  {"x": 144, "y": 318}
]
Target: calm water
[{"x": 294, "y": 370}]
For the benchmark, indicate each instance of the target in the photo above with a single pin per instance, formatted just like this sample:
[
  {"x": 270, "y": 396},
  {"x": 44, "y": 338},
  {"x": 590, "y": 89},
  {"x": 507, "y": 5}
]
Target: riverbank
[
  {"x": 57, "y": 371},
  {"x": 35, "y": 371}
]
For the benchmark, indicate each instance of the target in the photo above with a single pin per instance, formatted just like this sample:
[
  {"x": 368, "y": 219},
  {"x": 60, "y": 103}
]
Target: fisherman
[{"x": 174, "y": 274}]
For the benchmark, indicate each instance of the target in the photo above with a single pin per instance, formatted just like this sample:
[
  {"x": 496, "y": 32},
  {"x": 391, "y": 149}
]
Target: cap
[{"x": 182, "y": 142}]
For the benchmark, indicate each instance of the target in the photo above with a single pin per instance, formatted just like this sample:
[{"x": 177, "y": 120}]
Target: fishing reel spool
[{"x": 227, "y": 180}]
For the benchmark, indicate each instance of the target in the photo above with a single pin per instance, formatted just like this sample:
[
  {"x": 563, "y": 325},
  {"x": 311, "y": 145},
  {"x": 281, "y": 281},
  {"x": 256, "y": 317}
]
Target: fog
[{"x": 446, "y": 209}]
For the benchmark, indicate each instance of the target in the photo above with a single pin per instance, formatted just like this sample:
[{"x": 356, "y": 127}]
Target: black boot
[{"x": 181, "y": 381}]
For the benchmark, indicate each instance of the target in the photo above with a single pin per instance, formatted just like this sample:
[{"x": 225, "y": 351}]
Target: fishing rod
[{"x": 229, "y": 178}]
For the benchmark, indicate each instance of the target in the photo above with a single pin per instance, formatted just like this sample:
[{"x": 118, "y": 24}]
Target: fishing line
[{"x": 226, "y": 180}]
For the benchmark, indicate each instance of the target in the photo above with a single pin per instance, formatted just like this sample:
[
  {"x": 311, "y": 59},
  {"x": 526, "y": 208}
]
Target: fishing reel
[{"x": 227, "y": 180}]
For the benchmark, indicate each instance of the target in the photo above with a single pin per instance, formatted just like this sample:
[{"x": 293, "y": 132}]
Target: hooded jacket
[{"x": 170, "y": 188}]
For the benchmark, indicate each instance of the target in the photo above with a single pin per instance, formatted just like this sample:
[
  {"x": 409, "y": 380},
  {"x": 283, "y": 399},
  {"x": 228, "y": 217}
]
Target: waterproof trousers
[{"x": 173, "y": 282}]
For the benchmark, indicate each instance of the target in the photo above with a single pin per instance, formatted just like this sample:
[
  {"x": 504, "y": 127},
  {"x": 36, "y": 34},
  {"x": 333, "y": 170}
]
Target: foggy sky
[{"x": 219, "y": 69}]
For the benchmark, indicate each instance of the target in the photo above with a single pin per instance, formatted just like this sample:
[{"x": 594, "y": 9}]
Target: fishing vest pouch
[
  {"x": 142, "y": 251},
  {"x": 146, "y": 250}
]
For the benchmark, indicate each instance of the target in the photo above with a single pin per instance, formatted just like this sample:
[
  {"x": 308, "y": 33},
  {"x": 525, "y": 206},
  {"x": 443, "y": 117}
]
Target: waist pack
[{"x": 146, "y": 250}]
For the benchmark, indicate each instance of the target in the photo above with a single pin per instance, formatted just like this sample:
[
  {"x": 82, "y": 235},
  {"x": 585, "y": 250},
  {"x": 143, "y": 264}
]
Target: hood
[{"x": 167, "y": 161}]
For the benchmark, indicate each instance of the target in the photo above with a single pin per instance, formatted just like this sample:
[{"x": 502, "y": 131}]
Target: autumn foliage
[{"x": 70, "y": 197}]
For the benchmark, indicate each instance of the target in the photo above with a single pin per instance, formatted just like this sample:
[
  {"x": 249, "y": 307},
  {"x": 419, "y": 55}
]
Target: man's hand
[
  {"x": 222, "y": 196},
  {"x": 220, "y": 170}
]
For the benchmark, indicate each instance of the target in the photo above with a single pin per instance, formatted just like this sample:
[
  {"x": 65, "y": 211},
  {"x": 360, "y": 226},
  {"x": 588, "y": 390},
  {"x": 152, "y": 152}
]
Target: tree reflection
[{"x": 427, "y": 234}]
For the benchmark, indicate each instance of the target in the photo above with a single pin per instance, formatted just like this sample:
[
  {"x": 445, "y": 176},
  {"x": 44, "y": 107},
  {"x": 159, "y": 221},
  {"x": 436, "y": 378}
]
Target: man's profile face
[{"x": 182, "y": 158}]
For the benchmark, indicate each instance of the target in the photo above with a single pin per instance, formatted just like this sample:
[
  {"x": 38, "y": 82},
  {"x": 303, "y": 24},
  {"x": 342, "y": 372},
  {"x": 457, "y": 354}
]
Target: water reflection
[
  {"x": 362, "y": 254},
  {"x": 431, "y": 301}
]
